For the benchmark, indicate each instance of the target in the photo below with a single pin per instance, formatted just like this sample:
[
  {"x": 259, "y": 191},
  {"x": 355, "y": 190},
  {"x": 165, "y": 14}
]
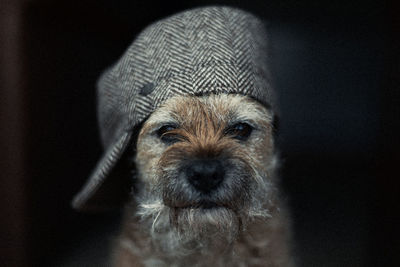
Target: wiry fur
[{"x": 165, "y": 224}]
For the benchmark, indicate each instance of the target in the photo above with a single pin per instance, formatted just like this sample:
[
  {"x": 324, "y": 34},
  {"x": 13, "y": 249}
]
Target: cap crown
[{"x": 200, "y": 51}]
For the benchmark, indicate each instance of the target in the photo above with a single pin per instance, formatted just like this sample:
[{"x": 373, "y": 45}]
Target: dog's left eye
[
  {"x": 240, "y": 131},
  {"x": 166, "y": 134}
]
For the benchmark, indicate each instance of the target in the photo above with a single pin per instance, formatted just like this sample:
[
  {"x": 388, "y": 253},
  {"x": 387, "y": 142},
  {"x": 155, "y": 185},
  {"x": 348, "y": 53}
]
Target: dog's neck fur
[{"x": 262, "y": 243}]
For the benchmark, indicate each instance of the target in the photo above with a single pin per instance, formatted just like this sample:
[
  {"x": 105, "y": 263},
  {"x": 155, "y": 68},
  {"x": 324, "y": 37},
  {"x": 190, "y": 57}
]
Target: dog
[
  {"x": 206, "y": 188},
  {"x": 191, "y": 99}
]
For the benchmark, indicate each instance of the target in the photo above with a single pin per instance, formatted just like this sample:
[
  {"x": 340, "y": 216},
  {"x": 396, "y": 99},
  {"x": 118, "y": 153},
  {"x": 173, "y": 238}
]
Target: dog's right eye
[{"x": 167, "y": 135}]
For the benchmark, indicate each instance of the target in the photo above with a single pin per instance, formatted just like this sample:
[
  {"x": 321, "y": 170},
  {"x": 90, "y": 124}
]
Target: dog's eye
[
  {"x": 167, "y": 135},
  {"x": 240, "y": 131}
]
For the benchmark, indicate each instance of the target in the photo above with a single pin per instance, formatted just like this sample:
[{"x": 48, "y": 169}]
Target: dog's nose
[{"x": 205, "y": 174}]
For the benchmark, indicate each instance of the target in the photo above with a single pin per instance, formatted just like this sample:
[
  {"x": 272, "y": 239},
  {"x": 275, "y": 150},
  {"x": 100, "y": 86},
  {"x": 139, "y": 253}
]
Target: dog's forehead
[{"x": 223, "y": 107}]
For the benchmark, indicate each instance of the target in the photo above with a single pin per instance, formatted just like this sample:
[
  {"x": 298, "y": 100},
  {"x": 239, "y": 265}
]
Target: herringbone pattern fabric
[{"x": 200, "y": 51}]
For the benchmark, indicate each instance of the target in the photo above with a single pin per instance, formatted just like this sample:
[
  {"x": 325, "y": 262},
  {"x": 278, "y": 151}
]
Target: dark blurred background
[{"x": 336, "y": 70}]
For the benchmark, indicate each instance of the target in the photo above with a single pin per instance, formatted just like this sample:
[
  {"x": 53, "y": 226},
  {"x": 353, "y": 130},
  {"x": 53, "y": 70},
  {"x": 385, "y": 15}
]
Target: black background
[{"x": 336, "y": 71}]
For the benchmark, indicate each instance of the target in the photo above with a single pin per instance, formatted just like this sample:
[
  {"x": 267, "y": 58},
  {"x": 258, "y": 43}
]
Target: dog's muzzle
[{"x": 206, "y": 183}]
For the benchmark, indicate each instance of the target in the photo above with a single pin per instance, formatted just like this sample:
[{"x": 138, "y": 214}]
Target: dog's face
[{"x": 205, "y": 165}]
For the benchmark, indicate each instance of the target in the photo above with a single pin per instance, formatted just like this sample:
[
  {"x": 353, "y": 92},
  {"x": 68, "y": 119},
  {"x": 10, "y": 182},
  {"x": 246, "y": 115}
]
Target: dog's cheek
[
  {"x": 148, "y": 154},
  {"x": 262, "y": 150}
]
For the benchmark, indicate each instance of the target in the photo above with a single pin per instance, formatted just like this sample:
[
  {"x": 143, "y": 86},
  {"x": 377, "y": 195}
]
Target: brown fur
[{"x": 164, "y": 224}]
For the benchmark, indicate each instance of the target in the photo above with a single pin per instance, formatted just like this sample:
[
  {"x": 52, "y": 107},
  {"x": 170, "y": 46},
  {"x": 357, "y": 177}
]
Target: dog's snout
[{"x": 205, "y": 174}]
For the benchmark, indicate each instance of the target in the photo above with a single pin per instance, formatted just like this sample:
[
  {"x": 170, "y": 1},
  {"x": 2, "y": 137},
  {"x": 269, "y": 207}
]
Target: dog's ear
[
  {"x": 128, "y": 164},
  {"x": 275, "y": 127},
  {"x": 275, "y": 123},
  {"x": 110, "y": 184}
]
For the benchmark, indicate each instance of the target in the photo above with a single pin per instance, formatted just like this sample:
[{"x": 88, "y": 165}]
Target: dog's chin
[{"x": 206, "y": 220}]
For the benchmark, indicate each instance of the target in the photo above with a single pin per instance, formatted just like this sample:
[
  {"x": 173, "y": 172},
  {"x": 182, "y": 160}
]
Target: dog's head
[
  {"x": 205, "y": 164},
  {"x": 189, "y": 87}
]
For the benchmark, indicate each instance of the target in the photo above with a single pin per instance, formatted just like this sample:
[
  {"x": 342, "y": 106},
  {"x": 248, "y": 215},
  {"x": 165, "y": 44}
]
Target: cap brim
[{"x": 109, "y": 184}]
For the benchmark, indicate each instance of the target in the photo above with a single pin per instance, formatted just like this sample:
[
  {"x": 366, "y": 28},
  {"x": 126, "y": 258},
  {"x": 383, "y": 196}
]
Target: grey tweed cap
[{"x": 218, "y": 50}]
